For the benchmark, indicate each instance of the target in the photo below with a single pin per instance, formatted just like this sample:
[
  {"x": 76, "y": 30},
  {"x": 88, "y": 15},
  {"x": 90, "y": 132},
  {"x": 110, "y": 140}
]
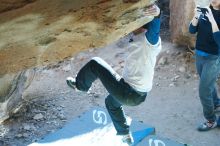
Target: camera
[{"x": 203, "y": 10}]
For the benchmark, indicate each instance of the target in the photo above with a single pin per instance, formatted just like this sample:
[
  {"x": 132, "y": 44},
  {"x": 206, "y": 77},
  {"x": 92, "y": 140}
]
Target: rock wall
[
  {"x": 181, "y": 13},
  {"x": 6, "y": 5},
  {"x": 12, "y": 87}
]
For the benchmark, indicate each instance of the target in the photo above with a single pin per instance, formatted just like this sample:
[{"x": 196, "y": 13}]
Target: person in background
[
  {"x": 206, "y": 24},
  {"x": 131, "y": 89}
]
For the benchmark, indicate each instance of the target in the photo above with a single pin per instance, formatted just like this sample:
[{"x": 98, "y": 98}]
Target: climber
[{"x": 131, "y": 89}]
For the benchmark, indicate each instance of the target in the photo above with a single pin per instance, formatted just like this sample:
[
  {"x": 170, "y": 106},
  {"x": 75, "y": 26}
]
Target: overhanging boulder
[{"x": 48, "y": 31}]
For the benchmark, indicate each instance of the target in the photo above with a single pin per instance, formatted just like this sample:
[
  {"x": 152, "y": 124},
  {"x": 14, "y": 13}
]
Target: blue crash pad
[
  {"x": 154, "y": 140},
  {"x": 93, "y": 128}
]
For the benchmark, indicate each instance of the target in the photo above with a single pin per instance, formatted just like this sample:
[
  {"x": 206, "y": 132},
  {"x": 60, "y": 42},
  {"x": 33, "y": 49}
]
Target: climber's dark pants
[{"x": 120, "y": 93}]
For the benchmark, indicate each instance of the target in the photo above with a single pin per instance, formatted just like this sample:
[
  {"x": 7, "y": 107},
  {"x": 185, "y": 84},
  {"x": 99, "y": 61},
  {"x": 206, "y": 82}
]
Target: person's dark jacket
[{"x": 207, "y": 41}]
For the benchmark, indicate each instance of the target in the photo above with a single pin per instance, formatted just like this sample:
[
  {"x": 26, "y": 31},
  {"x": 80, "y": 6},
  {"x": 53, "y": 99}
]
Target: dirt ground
[{"x": 172, "y": 106}]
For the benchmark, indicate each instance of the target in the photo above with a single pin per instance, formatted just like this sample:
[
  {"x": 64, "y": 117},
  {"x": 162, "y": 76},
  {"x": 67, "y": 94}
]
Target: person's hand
[
  {"x": 210, "y": 15},
  {"x": 211, "y": 18},
  {"x": 153, "y": 10},
  {"x": 197, "y": 12}
]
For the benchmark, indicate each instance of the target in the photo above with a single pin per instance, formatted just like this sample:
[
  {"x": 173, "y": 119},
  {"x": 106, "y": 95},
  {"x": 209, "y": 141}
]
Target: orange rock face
[{"x": 47, "y": 31}]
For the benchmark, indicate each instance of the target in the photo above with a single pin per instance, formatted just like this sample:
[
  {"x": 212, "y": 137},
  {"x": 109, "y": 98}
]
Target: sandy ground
[{"x": 173, "y": 105}]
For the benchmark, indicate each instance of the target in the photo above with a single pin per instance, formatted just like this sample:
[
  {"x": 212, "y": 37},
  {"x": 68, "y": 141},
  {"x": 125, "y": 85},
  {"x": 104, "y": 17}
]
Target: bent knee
[
  {"x": 138, "y": 101},
  {"x": 141, "y": 100}
]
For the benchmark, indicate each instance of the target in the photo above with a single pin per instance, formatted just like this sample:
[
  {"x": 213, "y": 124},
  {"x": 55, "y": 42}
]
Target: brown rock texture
[
  {"x": 6, "y": 5},
  {"x": 181, "y": 13},
  {"x": 48, "y": 31}
]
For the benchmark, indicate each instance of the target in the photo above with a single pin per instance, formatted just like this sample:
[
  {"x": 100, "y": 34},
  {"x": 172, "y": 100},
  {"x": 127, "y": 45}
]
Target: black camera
[{"x": 203, "y": 10}]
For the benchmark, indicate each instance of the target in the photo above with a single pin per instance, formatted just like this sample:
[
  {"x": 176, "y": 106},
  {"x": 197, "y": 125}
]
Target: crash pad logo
[
  {"x": 156, "y": 142},
  {"x": 99, "y": 117}
]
